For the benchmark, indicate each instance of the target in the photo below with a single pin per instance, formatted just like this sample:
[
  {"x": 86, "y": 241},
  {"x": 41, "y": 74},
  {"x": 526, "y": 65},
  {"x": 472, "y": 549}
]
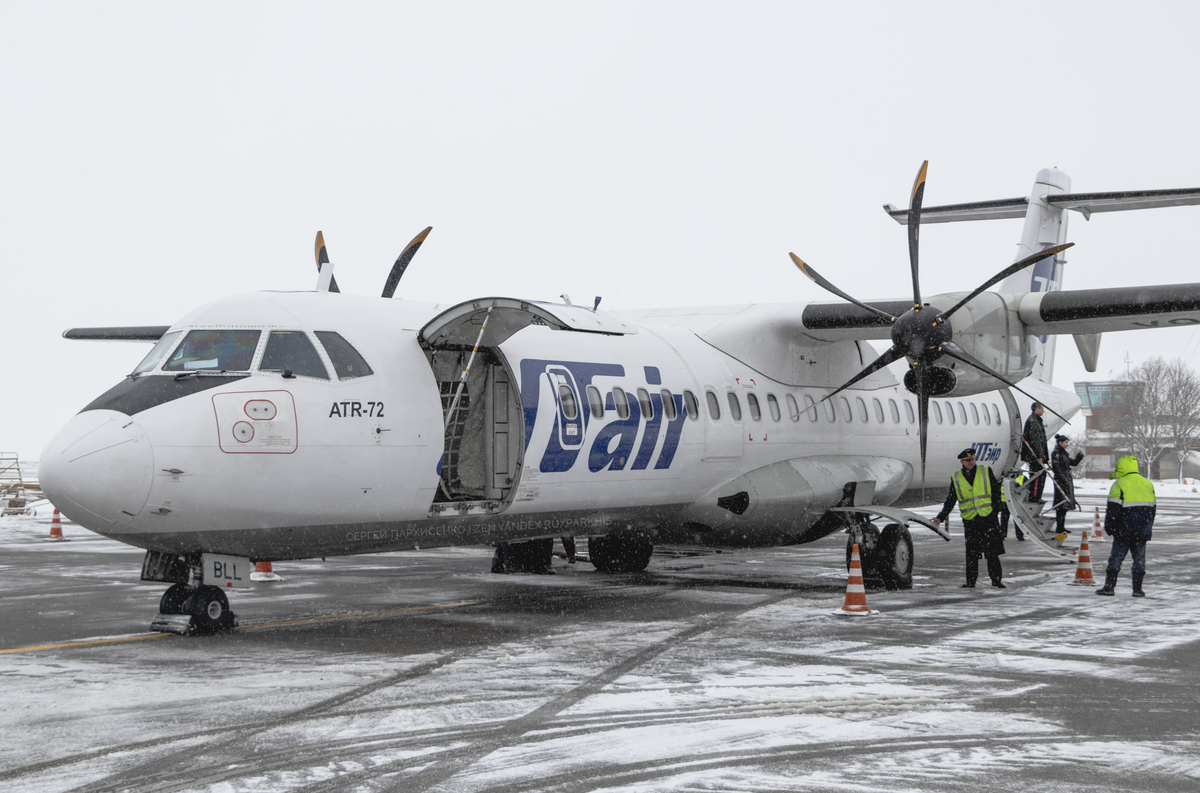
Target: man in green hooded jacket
[{"x": 1129, "y": 519}]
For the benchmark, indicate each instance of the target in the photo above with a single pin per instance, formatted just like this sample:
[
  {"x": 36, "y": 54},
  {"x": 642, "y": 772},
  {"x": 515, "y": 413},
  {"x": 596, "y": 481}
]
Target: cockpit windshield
[
  {"x": 158, "y": 352},
  {"x": 214, "y": 350}
]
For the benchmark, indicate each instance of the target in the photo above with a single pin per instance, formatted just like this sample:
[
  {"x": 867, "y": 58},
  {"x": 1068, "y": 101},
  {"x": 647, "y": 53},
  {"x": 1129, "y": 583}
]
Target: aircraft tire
[
  {"x": 628, "y": 553},
  {"x": 868, "y": 554},
  {"x": 173, "y": 599},
  {"x": 894, "y": 558},
  {"x": 209, "y": 609}
]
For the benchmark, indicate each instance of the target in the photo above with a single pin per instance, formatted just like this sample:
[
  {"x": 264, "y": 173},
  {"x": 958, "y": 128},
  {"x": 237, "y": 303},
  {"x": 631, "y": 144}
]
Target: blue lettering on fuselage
[
  {"x": 613, "y": 445},
  {"x": 987, "y": 452}
]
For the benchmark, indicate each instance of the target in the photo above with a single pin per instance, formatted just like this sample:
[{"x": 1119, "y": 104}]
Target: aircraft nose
[{"x": 98, "y": 469}]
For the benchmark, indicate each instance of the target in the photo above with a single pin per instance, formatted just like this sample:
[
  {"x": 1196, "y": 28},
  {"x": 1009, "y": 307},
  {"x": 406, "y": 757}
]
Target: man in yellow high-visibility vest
[{"x": 977, "y": 492}]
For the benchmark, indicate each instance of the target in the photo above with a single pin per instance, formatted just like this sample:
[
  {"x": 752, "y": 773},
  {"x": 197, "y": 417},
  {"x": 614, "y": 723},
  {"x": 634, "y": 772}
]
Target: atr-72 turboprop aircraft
[{"x": 288, "y": 425}]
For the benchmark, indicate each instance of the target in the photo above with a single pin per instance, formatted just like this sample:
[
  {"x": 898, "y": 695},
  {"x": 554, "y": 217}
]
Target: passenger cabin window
[
  {"x": 962, "y": 413},
  {"x": 810, "y": 407},
  {"x": 595, "y": 402},
  {"x": 566, "y": 398},
  {"x": 950, "y": 413},
  {"x": 974, "y": 413},
  {"x": 158, "y": 352},
  {"x": 996, "y": 414},
  {"x": 691, "y": 405},
  {"x": 646, "y": 405},
  {"x": 878, "y": 410},
  {"x": 830, "y": 411},
  {"x": 735, "y": 407},
  {"x": 290, "y": 350},
  {"x": 794, "y": 409},
  {"x": 908, "y": 411},
  {"x": 621, "y": 402},
  {"x": 937, "y": 412},
  {"x": 714, "y": 405},
  {"x": 862, "y": 409},
  {"x": 347, "y": 363},
  {"x": 987, "y": 415},
  {"x": 773, "y": 406},
  {"x": 895, "y": 411},
  {"x": 669, "y": 409},
  {"x": 846, "y": 415},
  {"x": 755, "y": 410},
  {"x": 214, "y": 351}
]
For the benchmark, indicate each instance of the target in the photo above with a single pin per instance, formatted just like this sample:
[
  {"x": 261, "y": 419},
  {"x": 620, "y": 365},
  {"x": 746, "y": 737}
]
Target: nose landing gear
[{"x": 194, "y": 611}]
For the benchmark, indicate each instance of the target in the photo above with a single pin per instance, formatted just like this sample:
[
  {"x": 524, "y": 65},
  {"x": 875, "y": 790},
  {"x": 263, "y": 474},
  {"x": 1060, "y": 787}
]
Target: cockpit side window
[
  {"x": 347, "y": 363},
  {"x": 160, "y": 350},
  {"x": 290, "y": 350},
  {"x": 214, "y": 351}
]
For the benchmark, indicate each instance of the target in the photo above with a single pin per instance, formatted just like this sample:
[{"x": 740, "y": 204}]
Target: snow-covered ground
[{"x": 714, "y": 672}]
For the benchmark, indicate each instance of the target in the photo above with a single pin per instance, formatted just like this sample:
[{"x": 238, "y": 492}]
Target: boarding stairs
[
  {"x": 1036, "y": 519},
  {"x": 15, "y": 491}
]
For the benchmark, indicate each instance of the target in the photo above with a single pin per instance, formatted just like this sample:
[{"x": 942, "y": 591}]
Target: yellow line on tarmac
[
  {"x": 357, "y": 615},
  {"x": 88, "y": 643}
]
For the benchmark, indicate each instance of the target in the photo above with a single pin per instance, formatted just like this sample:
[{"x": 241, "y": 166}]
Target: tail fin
[{"x": 1045, "y": 227}]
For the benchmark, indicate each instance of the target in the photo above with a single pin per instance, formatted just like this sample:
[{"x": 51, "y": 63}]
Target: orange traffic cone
[
  {"x": 263, "y": 572},
  {"x": 856, "y": 594},
  {"x": 1083, "y": 570},
  {"x": 1096, "y": 530},
  {"x": 56, "y": 528}
]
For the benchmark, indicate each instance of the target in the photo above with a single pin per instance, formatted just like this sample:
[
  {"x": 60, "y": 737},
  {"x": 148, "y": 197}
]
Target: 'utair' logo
[
  {"x": 986, "y": 452},
  {"x": 611, "y": 447}
]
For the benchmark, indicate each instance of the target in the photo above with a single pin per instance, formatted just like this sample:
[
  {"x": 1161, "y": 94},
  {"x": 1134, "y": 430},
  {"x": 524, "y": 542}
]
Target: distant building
[{"x": 1104, "y": 447}]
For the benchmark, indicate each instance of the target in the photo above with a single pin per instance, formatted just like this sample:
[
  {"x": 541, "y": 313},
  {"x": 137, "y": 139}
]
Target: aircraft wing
[
  {"x": 1083, "y": 311},
  {"x": 129, "y": 333}
]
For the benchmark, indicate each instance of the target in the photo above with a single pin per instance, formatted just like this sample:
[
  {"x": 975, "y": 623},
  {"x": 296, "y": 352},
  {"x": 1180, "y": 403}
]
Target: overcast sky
[{"x": 157, "y": 156}]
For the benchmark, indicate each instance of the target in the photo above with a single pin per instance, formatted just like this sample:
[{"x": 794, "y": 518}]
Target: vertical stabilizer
[{"x": 1045, "y": 227}]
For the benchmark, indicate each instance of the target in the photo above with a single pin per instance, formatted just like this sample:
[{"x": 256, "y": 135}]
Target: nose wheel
[{"x": 194, "y": 611}]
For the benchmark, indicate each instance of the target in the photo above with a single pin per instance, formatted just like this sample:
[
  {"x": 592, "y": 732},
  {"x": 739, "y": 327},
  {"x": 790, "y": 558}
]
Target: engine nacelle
[{"x": 990, "y": 330}]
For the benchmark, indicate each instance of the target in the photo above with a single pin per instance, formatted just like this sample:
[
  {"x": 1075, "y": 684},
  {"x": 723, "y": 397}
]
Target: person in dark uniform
[
  {"x": 1035, "y": 451},
  {"x": 1064, "y": 493},
  {"x": 977, "y": 492}
]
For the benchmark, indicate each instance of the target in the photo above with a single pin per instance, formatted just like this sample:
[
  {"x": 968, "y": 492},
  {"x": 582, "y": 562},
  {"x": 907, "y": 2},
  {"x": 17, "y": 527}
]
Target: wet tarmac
[{"x": 710, "y": 671}]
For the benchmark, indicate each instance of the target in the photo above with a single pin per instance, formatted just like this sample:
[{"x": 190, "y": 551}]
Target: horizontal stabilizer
[
  {"x": 1084, "y": 203},
  {"x": 130, "y": 333}
]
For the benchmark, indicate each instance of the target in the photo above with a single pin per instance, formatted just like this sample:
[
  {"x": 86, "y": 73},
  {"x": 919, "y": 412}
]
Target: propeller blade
[
  {"x": 828, "y": 287},
  {"x": 891, "y": 356},
  {"x": 323, "y": 258},
  {"x": 923, "y": 420},
  {"x": 954, "y": 351},
  {"x": 1005, "y": 273},
  {"x": 914, "y": 229},
  {"x": 410, "y": 250}
]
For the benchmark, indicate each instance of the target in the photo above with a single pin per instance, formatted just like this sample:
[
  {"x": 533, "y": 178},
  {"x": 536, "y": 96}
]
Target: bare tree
[
  {"x": 1140, "y": 417},
  {"x": 1182, "y": 409}
]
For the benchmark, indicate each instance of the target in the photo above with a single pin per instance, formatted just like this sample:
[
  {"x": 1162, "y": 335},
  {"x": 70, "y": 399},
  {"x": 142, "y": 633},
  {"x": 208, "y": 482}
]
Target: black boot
[
  {"x": 1110, "y": 584},
  {"x": 1137, "y": 585}
]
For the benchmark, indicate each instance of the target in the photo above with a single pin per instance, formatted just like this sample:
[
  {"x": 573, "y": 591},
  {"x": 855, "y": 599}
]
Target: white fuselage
[{"x": 270, "y": 466}]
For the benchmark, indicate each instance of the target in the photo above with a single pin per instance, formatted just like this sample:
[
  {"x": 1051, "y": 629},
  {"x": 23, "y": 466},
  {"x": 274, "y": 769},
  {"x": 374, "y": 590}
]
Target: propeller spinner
[{"x": 922, "y": 334}]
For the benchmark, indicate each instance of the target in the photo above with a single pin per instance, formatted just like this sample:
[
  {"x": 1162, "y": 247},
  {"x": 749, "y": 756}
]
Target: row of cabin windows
[
  {"x": 692, "y": 406},
  {"x": 288, "y": 351}
]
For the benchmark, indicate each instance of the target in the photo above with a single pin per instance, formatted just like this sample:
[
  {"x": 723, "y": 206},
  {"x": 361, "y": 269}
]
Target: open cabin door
[{"x": 484, "y": 448}]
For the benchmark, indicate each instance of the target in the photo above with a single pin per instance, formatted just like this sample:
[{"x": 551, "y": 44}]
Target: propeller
[
  {"x": 919, "y": 334},
  {"x": 410, "y": 250},
  {"x": 322, "y": 259}
]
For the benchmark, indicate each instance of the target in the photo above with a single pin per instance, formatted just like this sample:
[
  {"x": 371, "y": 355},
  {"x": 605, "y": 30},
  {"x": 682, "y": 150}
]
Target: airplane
[{"x": 283, "y": 425}]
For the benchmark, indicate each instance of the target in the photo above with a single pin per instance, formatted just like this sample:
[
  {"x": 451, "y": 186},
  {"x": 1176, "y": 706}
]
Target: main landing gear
[
  {"x": 886, "y": 557},
  {"x": 613, "y": 553}
]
